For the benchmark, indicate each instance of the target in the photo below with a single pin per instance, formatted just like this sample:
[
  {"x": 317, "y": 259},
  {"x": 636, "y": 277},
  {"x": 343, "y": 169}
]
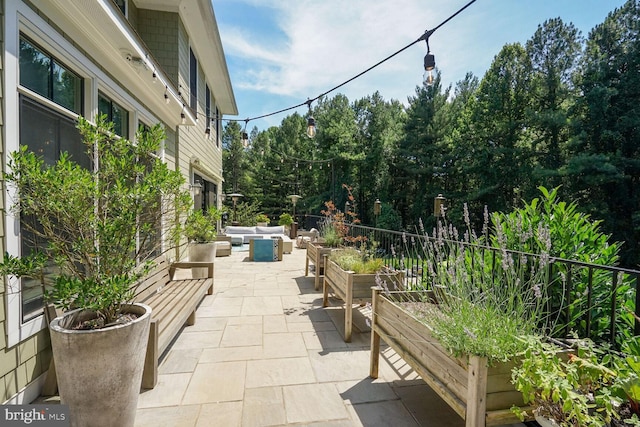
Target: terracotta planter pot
[{"x": 99, "y": 371}]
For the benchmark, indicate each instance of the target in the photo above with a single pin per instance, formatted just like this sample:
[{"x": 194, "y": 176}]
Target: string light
[
  {"x": 183, "y": 116},
  {"x": 244, "y": 135},
  {"x": 429, "y": 66},
  {"x": 166, "y": 95},
  {"x": 311, "y": 122},
  {"x": 155, "y": 77}
]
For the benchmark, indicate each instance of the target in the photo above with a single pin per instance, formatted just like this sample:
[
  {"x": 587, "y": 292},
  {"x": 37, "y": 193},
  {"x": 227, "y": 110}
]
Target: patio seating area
[{"x": 263, "y": 352}]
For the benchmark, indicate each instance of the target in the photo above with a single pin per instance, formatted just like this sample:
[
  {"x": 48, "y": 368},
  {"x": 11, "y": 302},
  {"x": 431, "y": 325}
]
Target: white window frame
[{"x": 19, "y": 18}]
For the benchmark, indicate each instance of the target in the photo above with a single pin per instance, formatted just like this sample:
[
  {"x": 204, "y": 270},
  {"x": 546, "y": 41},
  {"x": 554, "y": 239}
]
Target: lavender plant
[{"x": 486, "y": 297}]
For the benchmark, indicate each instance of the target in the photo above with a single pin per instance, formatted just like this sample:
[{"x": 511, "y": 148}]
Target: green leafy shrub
[
  {"x": 101, "y": 226},
  {"x": 571, "y": 235},
  {"x": 574, "y": 390},
  {"x": 201, "y": 227},
  {"x": 262, "y": 218},
  {"x": 285, "y": 219}
]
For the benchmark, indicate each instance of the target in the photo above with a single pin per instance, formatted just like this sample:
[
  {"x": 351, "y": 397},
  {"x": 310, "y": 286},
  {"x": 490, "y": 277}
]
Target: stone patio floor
[{"x": 263, "y": 352}]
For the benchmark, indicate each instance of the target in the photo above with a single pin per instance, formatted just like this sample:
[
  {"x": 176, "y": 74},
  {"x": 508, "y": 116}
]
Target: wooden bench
[{"x": 174, "y": 304}]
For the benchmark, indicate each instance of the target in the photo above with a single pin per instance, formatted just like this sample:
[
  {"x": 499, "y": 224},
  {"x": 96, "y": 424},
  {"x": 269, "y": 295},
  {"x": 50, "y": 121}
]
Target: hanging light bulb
[
  {"x": 244, "y": 136},
  {"x": 429, "y": 65},
  {"x": 155, "y": 77},
  {"x": 311, "y": 127},
  {"x": 183, "y": 117},
  {"x": 311, "y": 122},
  {"x": 427, "y": 78},
  {"x": 166, "y": 95}
]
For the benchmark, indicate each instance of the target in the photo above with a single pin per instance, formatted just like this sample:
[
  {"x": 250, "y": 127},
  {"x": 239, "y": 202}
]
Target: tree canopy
[{"x": 562, "y": 111}]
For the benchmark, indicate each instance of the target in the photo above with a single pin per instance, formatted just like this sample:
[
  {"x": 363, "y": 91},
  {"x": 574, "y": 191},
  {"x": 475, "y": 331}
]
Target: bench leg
[
  {"x": 306, "y": 267},
  {"x": 191, "y": 320},
  {"x": 210, "y": 290},
  {"x": 150, "y": 373}
]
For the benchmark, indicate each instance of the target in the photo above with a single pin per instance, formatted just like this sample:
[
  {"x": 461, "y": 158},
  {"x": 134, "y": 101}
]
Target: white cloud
[
  {"x": 329, "y": 42},
  {"x": 291, "y": 50}
]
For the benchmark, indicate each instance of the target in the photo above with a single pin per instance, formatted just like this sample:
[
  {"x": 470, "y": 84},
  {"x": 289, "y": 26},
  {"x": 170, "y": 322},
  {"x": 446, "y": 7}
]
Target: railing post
[
  {"x": 614, "y": 306},
  {"x": 636, "y": 329}
]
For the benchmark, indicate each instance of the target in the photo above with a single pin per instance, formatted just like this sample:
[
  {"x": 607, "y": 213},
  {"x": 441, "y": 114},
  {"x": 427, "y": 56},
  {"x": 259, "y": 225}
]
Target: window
[
  {"x": 193, "y": 82},
  {"x": 208, "y": 107},
  {"x": 43, "y": 74},
  {"x": 209, "y": 194},
  {"x": 115, "y": 113},
  {"x": 53, "y": 134}
]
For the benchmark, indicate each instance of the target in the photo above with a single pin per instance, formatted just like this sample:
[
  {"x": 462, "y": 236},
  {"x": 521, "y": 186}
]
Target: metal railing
[{"x": 595, "y": 301}]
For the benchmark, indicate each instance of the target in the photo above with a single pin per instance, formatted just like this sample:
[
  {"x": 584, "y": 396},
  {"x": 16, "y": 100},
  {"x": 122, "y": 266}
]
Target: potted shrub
[
  {"x": 351, "y": 274},
  {"x": 99, "y": 228},
  {"x": 200, "y": 228},
  {"x": 262, "y": 220},
  {"x": 286, "y": 220}
]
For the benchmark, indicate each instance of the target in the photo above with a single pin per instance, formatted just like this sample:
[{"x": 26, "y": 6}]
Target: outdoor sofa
[{"x": 242, "y": 235}]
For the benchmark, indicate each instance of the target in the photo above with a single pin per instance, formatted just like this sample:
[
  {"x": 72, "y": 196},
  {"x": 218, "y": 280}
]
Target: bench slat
[{"x": 172, "y": 302}]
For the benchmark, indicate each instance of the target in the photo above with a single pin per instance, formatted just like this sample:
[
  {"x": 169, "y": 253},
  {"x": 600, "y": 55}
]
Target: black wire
[{"x": 308, "y": 102}]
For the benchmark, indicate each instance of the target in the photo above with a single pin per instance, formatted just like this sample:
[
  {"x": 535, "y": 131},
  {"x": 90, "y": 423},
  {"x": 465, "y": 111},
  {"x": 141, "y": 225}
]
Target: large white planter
[
  {"x": 99, "y": 371},
  {"x": 201, "y": 252}
]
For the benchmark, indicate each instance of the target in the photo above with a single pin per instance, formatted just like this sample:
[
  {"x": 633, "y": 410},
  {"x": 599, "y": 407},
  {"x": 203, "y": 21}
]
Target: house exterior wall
[
  {"x": 132, "y": 14},
  {"x": 199, "y": 153},
  {"x": 159, "y": 30},
  {"x": 25, "y": 360}
]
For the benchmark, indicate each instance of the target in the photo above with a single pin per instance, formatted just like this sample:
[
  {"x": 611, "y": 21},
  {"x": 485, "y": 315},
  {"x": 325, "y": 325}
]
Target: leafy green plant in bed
[
  {"x": 574, "y": 390},
  {"x": 351, "y": 259}
]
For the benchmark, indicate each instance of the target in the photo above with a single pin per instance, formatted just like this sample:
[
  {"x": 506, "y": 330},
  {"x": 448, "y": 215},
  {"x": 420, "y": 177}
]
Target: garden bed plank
[
  {"x": 315, "y": 254},
  {"x": 350, "y": 287}
]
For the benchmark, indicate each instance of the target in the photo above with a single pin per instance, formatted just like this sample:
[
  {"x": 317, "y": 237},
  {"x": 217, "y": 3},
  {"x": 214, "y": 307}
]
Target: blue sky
[{"x": 282, "y": 52}]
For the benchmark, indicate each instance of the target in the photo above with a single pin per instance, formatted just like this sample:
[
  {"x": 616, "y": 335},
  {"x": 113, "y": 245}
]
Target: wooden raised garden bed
[
  {"x": 352, "y": 287},
  {"x": 480, "y": 394},
  {"x": 315, "y": 254}
]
